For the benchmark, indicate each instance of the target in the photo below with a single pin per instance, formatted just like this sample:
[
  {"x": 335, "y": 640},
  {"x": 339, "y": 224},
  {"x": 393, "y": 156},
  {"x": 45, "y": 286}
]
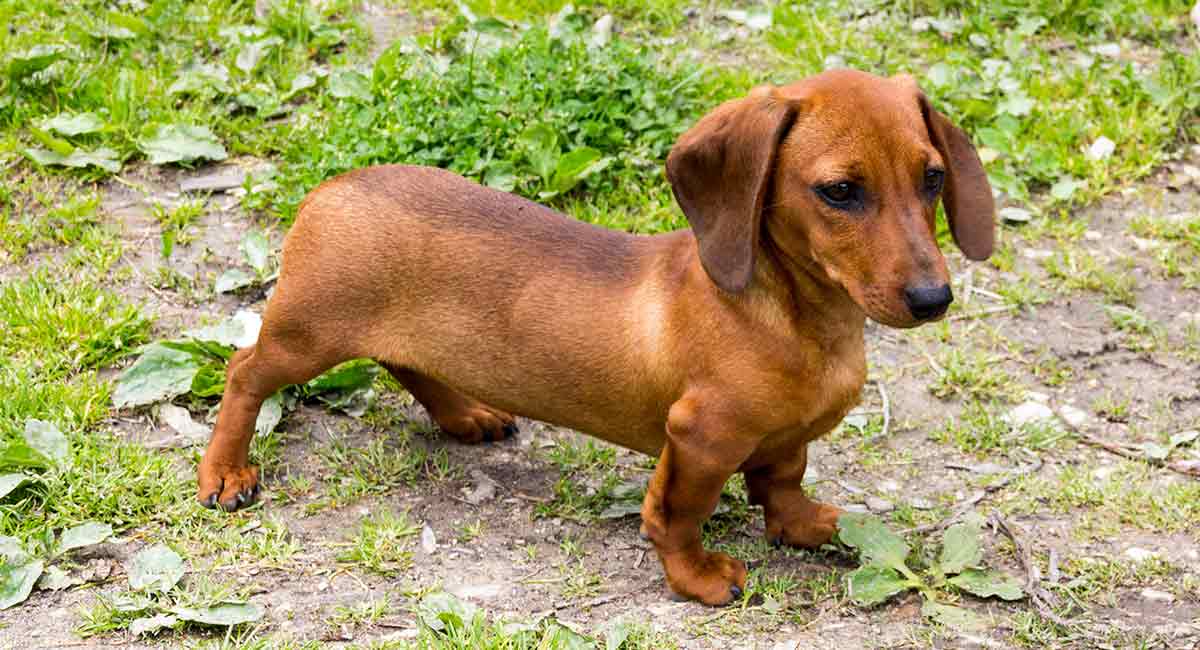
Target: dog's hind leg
[
  {"x": 465, "y": 418},
  {"x": 225, "y": 476}
]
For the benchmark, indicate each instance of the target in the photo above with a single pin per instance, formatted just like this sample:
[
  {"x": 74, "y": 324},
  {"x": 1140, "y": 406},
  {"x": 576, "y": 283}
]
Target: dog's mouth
[{"x": 879, "y": 307}]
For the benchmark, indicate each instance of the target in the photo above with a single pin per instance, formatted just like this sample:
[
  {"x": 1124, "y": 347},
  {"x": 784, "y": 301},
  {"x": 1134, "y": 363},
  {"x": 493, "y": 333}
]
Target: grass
[{"x": 533, "y": 104}]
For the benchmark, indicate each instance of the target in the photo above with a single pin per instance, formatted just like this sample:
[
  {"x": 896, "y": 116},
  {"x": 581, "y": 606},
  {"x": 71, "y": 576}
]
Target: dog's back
[{"x": 438, "y": 235}]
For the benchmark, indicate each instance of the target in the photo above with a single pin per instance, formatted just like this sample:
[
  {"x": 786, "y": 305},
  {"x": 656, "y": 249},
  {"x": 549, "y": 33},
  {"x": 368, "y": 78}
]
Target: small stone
[
  {"x": 878, "y": 505},
  {"x": 179, "y": 419},
  {"x": 1035, "y": 396},
  {"x": 1093, "y": 235},
  {"x": 1030, "y": 412},
  {"x": 1036, "y": 253},
  {"x": 1156, "y": 596},
  {"x": 922, "y": 504},
  {"x": 1015, "y": 215},
  {"x": 855, "y": 507},
  {"x": 1143, "y": 244},
  {"x": 1075, "y": 417},
  {"x": 218, "y": 182},
  {"x": 485, "y": 488},
  {"x": 473, "y": 592},
  {"x": 1102, "y": 473},
  {"x": 428, "y": 540},
  {"x": 889, "y": 486},
  {"x": 1139, "y": 554},
  {"x": 1102, "y": 148},
  {"x": 1107, "y": 50}
]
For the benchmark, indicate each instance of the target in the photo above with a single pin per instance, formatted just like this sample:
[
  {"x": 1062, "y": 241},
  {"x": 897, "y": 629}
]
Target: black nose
[{"x": 928, "y": 302}]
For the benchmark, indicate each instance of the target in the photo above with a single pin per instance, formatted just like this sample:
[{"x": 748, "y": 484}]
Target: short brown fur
[{"x": 724, "y": 351}]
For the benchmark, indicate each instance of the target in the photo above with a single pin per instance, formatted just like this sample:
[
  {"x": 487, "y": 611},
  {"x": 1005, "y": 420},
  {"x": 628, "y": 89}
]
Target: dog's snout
[{"x": 928, "y": 302}]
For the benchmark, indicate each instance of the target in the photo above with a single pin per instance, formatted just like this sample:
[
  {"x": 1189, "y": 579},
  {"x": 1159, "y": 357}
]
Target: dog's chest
[{"x": 821, "y": 396}]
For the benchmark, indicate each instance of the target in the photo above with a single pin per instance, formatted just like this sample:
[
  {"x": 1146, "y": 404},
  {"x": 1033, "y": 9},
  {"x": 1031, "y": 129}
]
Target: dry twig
[{"x": 1042, "y": 599}]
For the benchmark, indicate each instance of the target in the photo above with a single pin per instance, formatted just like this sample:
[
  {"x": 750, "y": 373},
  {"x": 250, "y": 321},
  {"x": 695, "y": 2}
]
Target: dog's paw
[
  {"x": 711, "y": 578},
  {"x": 477, "y": 423},
  {"x": 814, "y": 527},
  {"x": 228, "y": 488}
]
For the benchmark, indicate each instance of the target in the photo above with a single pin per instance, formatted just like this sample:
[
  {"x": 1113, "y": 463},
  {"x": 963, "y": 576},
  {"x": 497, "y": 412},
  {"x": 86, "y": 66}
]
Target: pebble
[
  {"x": 428, "y": 540},
  {"x": 471, "y": 592},
  {"x": 1139, "y": 554},
  {"x": 1029, "y": 412},
  {"x": 1157, "y": 596},
  {"x": 878, "y": 505},
  {"x": 1073, "y": 416},
  {"x": 218, "y": 182}
]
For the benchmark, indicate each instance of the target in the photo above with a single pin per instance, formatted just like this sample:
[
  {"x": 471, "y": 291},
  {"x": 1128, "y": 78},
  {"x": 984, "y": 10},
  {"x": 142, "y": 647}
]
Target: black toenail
[
  {"x": 487, "y": 435},
  {"x": 736, "y": 591},
  {"x": 211, "y": 501},
  {"x": 241, "y": 498},
  {"x": 510, "y": 429},
  {"x": 777, "y": 542}
]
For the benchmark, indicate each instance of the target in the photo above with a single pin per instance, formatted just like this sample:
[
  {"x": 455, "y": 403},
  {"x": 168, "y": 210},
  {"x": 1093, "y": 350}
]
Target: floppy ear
[
  {"x": 720, "y": 171},
  {"x": 967, "y": 195}
]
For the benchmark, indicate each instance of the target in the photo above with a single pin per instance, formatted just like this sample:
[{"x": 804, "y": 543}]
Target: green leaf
[
  {"x": 561, "y": 637},
  {"x": 988, "y": 583},
  {"x": 238, "y": 331},
  {"x": 182, "y": 143},
  {"x": 151, "y": 624},
  {"x": 350, "y": 84},
  {"x": 232, "y": 280},
  {"x": 257, "y": 250},
  {"x": 35, "y": 59},
  {"x": 351, "y": 375},
  {"x": 10, "y": 482},
  {"x": 252, "y": 53},
  {"x": 72, "y": 123},
  {"x": 1066, "y": 187},
  {"x": 19, "y": 454},
  {"x": 11, "y": 550},
  {"x": 960, "y": 547},
  {"x": 55, "y": 145},
  {"x": 162, "y": 372},
  {"x": 55, "y": 579},
  {"x": 48, "y": 440},
  {"x": 222, "y": 614},
  {"x": 130, "y": 23},
  {"x": 500, "y": 175},
  {"x": 155, "y": 568},
  {"x": 88, "y": 534},
  {"x": 575, "y": 166},
  {"x": 616, "y": 631},
  {"x": 541, "y": 145},
  {"x": 209, "y": 381},
  {"x": 871, "y": 585},
  {"x": 104, "y": 158},
  {"x": 17, "y": 580},
  {"x": 269, "y": 415},
  {"x": 440, "y": 611},
  {"x": 201, "y": 78},
  {"x": 951, "y": 616},
  {"x": 874, "y": 541}
]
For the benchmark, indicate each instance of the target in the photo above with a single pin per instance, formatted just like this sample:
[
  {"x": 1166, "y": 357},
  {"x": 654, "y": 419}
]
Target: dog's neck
[{"x": 804, "y": 291}]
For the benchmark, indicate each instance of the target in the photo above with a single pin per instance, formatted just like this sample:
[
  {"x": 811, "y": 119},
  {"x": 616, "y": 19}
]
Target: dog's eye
[
  {"x": 933, "y": 181},
  {"x": 839, "y": 195}
]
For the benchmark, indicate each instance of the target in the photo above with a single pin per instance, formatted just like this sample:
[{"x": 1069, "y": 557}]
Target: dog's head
[{"x": 842, "y": 173}]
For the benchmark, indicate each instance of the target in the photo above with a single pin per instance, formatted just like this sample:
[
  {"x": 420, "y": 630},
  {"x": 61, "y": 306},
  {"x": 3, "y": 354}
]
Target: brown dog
[{"x": 725, "y": 348}]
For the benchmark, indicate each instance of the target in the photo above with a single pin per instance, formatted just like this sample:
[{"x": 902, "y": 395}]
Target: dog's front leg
[
  {"x": 792, "y": 517},
  {"x": 698, "y": 457}
]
